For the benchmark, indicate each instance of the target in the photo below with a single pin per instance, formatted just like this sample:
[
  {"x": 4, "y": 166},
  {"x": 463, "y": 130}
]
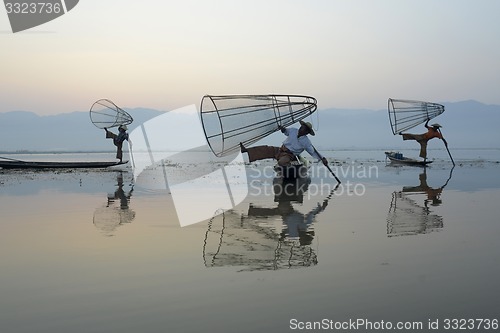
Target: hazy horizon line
[{"x": 319, "y": 109}]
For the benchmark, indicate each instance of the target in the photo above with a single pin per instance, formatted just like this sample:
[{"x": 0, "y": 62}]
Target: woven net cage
[
  {"x": 406, "y": 114},
  {"x": 106, "y": 114},
  {"x": 231, "y": 119}
]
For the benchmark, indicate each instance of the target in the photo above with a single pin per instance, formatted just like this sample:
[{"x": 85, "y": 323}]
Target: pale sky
[{"x": 167, "y": 54}]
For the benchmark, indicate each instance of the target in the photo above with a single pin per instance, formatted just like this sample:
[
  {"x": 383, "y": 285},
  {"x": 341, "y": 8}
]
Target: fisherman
[
  {"x": 118, "y": 139},
  {"x": 432, "y": 132},
  {"x": 295, "y": 143}
]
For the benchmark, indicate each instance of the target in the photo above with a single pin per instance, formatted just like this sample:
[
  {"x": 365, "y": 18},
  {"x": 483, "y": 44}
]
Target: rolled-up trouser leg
[
  {"x": 262, "y": 152},
  {"x": 420, "y": 139},
  {"x": 119, "y": 150},
  {"x": 110, "y": 135},
  {"x": 417, "y": 137}
]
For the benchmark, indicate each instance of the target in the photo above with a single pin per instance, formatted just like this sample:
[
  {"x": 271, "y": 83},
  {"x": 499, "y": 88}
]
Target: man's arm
[{"x": 314, "y": 153}]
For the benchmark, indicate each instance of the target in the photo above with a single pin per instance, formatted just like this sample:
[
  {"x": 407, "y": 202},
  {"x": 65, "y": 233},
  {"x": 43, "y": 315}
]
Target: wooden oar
[
  {"x": 328, "y": 167},
  {"x": 446, "y": 145}
]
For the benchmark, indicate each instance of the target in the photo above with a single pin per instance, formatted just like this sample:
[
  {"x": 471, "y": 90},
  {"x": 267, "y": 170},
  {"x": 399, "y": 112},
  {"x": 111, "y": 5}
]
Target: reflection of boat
[
  {"x": 17, "y": 164},
  {"x": 398, "y": 158},
  {"x": 290, "y": 189}
]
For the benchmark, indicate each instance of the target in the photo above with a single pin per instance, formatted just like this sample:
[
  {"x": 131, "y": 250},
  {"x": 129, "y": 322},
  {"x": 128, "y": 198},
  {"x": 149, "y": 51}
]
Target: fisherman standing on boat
[
  {"x": 432, "y": 132},
  {"x": 118, "y": 140},
  {"x": 295, "y": 143}
]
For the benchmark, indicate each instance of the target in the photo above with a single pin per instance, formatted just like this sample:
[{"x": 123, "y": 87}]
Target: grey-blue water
[{"x": 92, "y": 251}]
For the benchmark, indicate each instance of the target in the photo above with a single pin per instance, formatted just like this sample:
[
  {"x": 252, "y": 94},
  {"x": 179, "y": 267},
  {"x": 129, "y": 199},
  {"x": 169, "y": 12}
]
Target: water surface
[{"x": 90, "y": 251}]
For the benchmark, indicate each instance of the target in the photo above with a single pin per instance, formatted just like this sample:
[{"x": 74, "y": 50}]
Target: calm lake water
[{"x": 93, "y": 251}]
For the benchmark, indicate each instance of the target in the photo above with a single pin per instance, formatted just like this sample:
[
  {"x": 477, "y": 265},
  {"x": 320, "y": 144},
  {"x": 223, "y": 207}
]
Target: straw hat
[
  {"x": 308, "y": 125},
  {"x": 436, "y": 125}
]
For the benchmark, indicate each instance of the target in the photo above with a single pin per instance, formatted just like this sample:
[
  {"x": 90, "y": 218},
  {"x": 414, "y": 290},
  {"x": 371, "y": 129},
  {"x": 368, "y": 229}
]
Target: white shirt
[{"x": 297, "y": 144}]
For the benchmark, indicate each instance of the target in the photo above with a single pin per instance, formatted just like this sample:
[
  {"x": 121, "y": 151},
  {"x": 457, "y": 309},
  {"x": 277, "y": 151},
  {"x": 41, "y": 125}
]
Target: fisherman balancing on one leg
[
  {"x": 295, "y": 143},
  {"x": 432, "y": 132},
  {"x": 118, "y": 140}
]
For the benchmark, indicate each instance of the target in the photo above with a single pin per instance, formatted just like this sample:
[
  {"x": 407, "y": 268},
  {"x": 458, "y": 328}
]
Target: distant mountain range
[
  {"x": 467, "y": 124},
  {"x": 27, "y": 131}
]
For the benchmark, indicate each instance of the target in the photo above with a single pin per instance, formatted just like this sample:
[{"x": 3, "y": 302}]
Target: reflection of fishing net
[
  {"x": 105, "y": 114},
  {"x": 229, "y": 120},
  {"x": 406, "y": 217},
  {"x": 252, "y": 244},
  {"x": 406, "y": 114},
  {"x": 108, "y": 218}
]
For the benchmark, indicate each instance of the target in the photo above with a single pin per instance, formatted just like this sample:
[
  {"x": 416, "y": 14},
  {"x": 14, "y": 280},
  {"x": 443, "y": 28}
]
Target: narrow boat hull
[
  {"x": 292, "y": 172},
  {"x": 56, "y": 165},
  {"x": 398, "y": 158}
]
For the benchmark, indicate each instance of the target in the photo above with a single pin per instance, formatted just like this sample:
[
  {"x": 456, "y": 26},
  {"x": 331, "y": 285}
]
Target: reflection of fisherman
[
  {"x": 110, "y": 216},
  {"x": 433, "y": 194},
  {"x": 118, "y": 139},
  {"x": 120, "y": 194},
  {"x": 406, "y": 217},
  {"x": 296, "y": 223},
  {"x": 296, "y": 142},
  {"x": 432, "y": 132}
]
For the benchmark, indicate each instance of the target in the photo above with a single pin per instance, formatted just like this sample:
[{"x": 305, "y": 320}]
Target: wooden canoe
[
  {"x": 16, "y": 164},
  {"x": 400, "y": 159}
]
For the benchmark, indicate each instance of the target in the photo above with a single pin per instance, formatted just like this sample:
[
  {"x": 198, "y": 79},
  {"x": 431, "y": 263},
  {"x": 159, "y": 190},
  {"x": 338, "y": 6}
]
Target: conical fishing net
[
  {"x": 231, "y": 119},
  {"x": 105, "y": 114},
  {"x": 406, "y": 114}
]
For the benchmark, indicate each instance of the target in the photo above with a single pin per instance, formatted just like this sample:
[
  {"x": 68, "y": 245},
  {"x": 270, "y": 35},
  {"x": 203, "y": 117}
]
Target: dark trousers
[
  {"x": 281, "y": 154},
  {"x": 420, "y": 139},
  {"x": 119, "y": 150}
]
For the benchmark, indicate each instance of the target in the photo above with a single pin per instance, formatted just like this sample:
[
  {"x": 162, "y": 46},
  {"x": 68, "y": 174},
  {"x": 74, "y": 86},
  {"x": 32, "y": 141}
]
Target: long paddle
[
  {"x": 328, "y": 167},
  {"x": 446, "y": 145}
]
